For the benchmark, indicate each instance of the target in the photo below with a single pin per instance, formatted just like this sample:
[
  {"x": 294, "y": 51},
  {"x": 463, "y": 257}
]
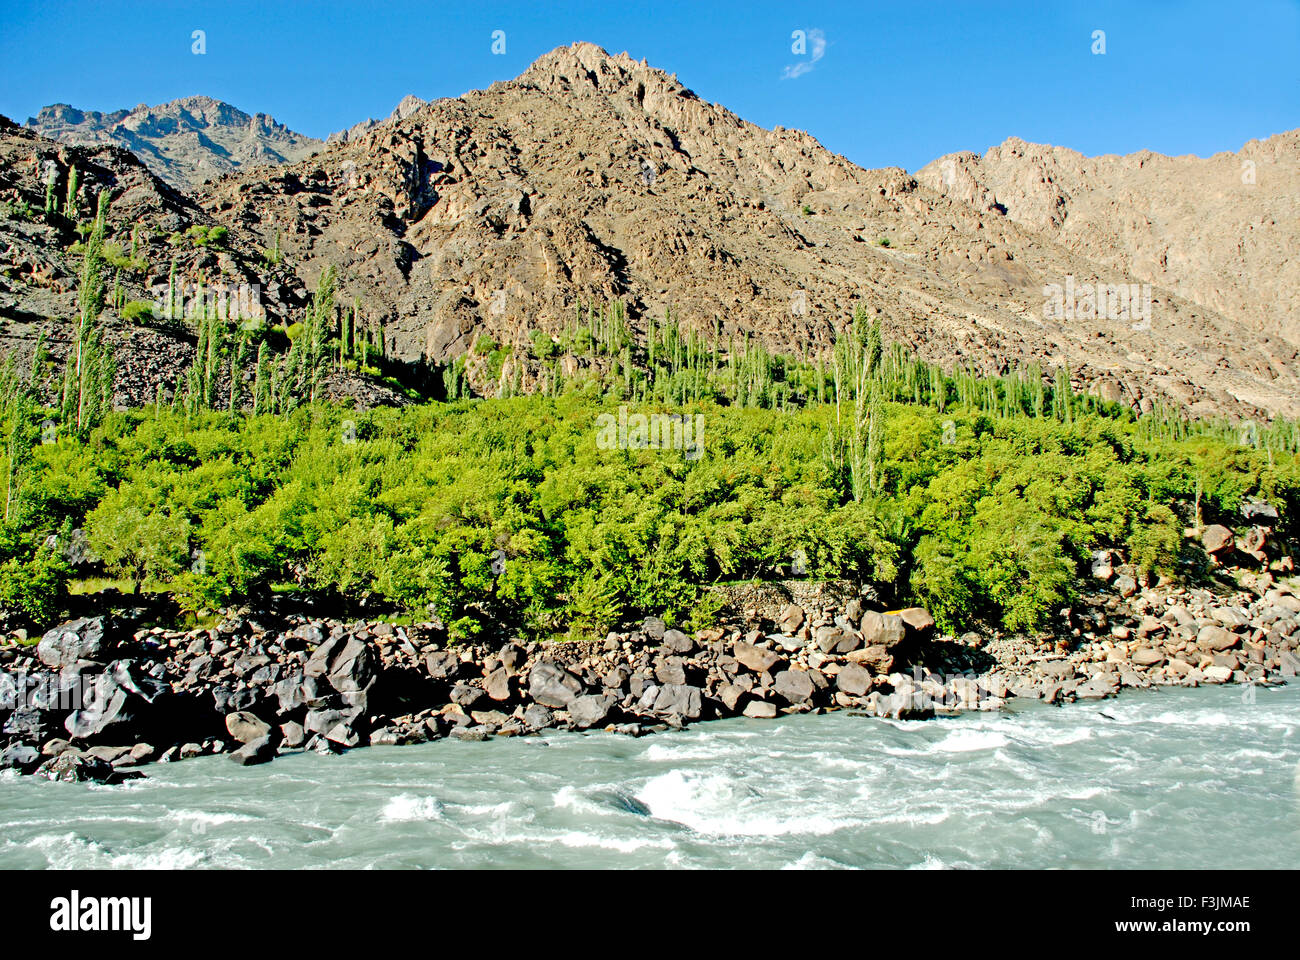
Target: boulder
[
  {"x": 1216, "y": 538},
  {"x": 791, "y": 618},
  {"x": 760, "y": 710},
  {"x": 499, "y": 685},
  {"x": 255, "y": 751},
  {"x": 875, "y": 656},
  {"x": 1147, "y": 657},
  {"x": 882, "y": 629},
  {"x": 678, "y": 642},
  {"x": 537, "y": 717},
  {"x": 442, "y": 665},
  {"x": 345, "y": 662},
  {"x": 588, "y": 711},
  {"x": 680, "y": 699},
  {"x": 1217, "y": 639},
  {"x": 551, "y": 685},
  {"x": 828, "y": 638},
  {"x": 291, "y": 734},
  {"x": 758, "y": 659},
  {"x": 853, "y": 679},
  {"x": 917, "y": 621},
  {"x": 20, "y": 756},
  {"x": 796, "y": 686},
  {"x": 76, "y": 768},
  {"x": 246, "y": 727},
  {"x": 670, "y": 670},
  {"x": 90, "y": 638},
  {"x": 1059, "y": 669}
]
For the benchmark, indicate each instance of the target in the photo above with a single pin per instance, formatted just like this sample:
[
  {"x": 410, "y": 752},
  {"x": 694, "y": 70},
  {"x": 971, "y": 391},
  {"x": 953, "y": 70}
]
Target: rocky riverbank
[{"x": 96, "y": 697}]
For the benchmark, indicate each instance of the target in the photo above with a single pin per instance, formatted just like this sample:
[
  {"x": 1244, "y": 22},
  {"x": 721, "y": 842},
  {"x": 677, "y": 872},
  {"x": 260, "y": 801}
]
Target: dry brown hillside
[
  {"x": 593, "y": 176},
  {"x": 1220, "y": 231}
]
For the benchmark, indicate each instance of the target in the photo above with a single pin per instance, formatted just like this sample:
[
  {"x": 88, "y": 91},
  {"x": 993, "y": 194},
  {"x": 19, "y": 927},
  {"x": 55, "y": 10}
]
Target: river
[{"x": 1172, "y": 778}]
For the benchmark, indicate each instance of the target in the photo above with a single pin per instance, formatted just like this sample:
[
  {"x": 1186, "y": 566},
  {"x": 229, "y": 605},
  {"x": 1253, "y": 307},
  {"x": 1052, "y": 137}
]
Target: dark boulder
[{"x": 551, "y": 685}]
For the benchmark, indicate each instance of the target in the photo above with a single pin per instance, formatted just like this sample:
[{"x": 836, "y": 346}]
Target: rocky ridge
[
  {"x": 593, "y": 177},
  {"x": 184, "y": 141}
]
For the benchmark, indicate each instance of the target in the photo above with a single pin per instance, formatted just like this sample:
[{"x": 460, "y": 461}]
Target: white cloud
[{"x": 818, "y": 40}]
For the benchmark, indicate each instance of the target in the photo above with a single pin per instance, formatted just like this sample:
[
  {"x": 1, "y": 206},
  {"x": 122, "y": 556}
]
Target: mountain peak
[{"x": 184, "y": 141}]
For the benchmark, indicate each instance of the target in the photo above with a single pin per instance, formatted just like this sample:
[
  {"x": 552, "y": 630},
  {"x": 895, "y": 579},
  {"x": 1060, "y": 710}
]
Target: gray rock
[
  {"x": 1060, "y": 669},
  {"x": 76, "y": 768},
  {"x": 792, "y": 617},
  {"x": 291, "y": 734},
  {"x": 90, "y": 638},
  {"x": 590, "y": 710},
  {"x": 1216, "y": 538},
  {"x": 442, "y": 665},
  {"x": 255, "y": 751},
  {"x": 882, "y": 629},
  {"x": 755, "y": 658},
  {"x": 670, "y": 670},
  {"x": 499, "y": 685},
  {"x": 678, "y": 642},
  {"x": 681, "y": 699},
  {"x": 796, "y": 686},
  {"x": 538, "y": 717},
  {"x": 466, "y": 694},
  {"x": 551, "y": 685},
  {"x": 1217, "y": 638},
  {"x": 917, "y": 621},
  {"x": 853, "y": 679},
  {"x": 247, "y": 727},
  {"x": 20, "y": 756},
  {"x": 1147, "y": 657}
]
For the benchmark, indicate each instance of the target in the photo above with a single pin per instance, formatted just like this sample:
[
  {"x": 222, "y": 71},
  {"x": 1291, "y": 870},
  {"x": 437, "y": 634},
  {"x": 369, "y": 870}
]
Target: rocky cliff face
[
  {"x": 592, "y": 177},
  {"x": 185, "y": 141},
  {"x": 1219, "y": 231},
  {"x": 149, "y": 233}
]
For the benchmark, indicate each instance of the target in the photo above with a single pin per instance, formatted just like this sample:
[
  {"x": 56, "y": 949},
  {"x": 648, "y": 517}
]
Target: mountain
[
  {"x": 156, "y": 238},
  {"x": 1220, "y": 231},
  {"x": 184, "y": 141},
  {"x": 592, "y": 178},
  {"x": 408, "y": 105}
]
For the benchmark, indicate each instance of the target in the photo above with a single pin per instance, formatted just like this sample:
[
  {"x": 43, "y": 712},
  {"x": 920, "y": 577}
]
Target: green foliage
[
  {"x": 201, "y": 236},
  {"x": 136, "y": 535},
  {"x": 138, "y": 311}
]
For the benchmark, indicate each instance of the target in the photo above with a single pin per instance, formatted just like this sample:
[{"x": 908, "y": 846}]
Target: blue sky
[{"x": 897, "y": 84}]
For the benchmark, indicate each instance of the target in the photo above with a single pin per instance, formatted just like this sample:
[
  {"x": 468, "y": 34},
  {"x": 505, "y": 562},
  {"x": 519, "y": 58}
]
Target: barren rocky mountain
[
  {"x": 593, "y": 177},
  {"x": 1220, "y": 231},
  {"x": 409, "y": 104},
  {"x": 185, "y": 141},
  {"x": 150, "y": 227}
]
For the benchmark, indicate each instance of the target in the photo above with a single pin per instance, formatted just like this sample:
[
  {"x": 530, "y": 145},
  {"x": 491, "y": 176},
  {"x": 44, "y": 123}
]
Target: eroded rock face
[
  {"x": 1183, "y": 225},
  {"x": 184, "y": 141},
  {"x": 593, "y": 177}
]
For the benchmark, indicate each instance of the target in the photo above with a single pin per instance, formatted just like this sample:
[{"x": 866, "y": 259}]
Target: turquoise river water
[{"x": 1172, "y": 778}]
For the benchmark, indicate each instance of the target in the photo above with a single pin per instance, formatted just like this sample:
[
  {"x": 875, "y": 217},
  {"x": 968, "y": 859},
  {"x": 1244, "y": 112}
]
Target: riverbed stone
[
  {"x": 551, "y": 685},
  {"x": 246, "y": 727},
  {"x": 755, "y": 658},
  {"x": 796, "y": 686}
]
